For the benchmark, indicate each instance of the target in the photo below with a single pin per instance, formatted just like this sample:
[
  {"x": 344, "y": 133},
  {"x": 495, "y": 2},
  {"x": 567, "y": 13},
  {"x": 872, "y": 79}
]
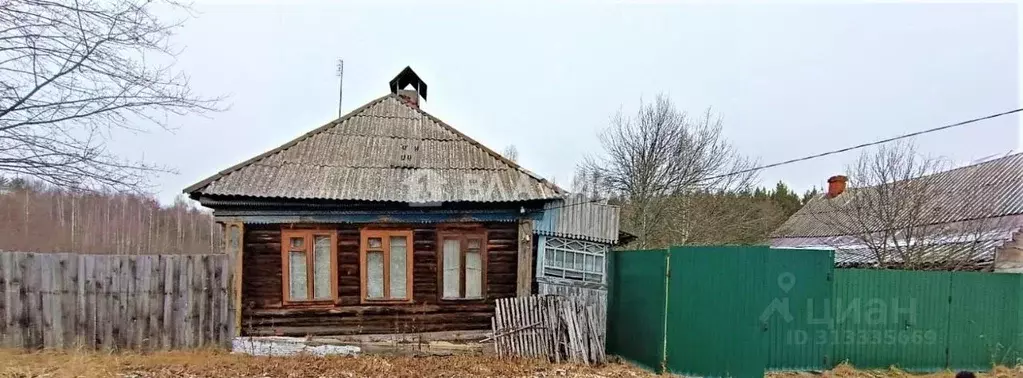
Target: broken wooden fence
[
  {"x": 554, "y": 327},
  {"x": 63, "y": 300}
]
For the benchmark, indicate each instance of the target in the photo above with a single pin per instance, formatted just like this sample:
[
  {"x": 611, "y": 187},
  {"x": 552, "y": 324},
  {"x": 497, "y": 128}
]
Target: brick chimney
[
  {"x": 409, "y": 95},
  {"x": 836, "y": 185},
  {"x": 408, "y": 78}
]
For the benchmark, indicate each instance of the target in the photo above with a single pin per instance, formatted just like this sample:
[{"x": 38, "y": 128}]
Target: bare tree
[
  {"x": 511, "y": 153},
  {"x": 589, "y": 184},
  {"x": 73, "y": 71},
  {"x": 902, "y": 212},
  {"x": 660, "y": 155}
]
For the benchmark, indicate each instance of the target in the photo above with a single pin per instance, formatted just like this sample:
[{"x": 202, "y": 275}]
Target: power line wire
[
  {"x": 833, "y": 152},
  {"x": 859, "y": 146}
]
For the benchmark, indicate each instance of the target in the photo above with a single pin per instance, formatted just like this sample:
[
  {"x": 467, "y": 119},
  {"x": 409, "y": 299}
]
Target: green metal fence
[
  {"x": 738, "y": 311},
  {"x": 635, "y": 325},
  {"x": 799, "y": 281},
  {"x": 926, "y": 321},
  {"x": 714, "y": 296},
  {"x": 886, "y": 317}
]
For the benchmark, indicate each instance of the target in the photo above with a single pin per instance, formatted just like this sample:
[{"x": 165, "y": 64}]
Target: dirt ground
[
  {"x": 14, "y": 363},
  {"x": 219, "y": 364}
]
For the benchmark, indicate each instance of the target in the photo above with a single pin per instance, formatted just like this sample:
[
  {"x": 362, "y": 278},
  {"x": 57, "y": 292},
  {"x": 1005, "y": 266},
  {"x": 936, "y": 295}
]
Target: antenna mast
[{"x": 340, "y": 84}]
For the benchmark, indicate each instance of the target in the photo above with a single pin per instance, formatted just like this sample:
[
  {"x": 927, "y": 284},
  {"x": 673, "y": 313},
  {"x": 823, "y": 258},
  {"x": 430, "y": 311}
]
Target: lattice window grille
[{"x": 574, "y": 260}]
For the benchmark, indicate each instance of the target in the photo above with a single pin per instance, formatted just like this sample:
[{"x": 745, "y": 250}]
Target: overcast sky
[{"x": 789, "y": 80}]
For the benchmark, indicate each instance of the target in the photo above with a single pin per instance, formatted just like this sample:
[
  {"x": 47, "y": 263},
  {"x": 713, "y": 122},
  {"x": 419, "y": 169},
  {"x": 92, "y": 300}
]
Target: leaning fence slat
[
  {"x": 493, "y": 333},
  {"x": 535, "y": 332}
]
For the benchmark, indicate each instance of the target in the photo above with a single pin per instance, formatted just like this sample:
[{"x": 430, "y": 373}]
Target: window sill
[
  {"x": 476, "y": 299},
  {"x": 326, "y": 303},
  {"x": 386, "y": 301}
]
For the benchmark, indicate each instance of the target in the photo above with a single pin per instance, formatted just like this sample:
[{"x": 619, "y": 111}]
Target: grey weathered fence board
[
  {"x": 113, "y": 301},
  {"x": 556, "y": 327}
]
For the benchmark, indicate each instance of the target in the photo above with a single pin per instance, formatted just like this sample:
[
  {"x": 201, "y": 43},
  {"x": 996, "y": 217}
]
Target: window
[
  {"x": 574, "y": 259},
  {"x": 386, "y": 259},
  {"x": 462, "y": 265},
  {"x": 309, "y": 259}
]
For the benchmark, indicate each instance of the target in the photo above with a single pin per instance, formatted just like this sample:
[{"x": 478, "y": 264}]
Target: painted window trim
[
  {"x": 543, "y": 266},
  {"x": 463, "y": 235},
  {"x": 385, "y": 234},
  {"x": 308, "y": 236}
]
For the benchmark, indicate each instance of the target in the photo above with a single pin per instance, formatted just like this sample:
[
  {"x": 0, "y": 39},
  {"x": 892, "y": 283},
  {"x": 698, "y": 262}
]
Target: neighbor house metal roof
[
  {"x": 991, "y": 189},
  {"x": 386, "y": 150}
]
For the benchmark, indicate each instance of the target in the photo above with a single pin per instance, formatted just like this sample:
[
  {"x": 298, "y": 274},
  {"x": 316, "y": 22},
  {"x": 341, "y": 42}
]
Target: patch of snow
[{"x": 288, "y": 346}]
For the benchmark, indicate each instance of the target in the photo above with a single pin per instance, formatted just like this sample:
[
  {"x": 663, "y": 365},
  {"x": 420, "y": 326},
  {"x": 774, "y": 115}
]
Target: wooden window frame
[
  {"x": 309, "y": 236},
  {"x": 463, "y": 235},
  {"x": 385, "y": 245}
]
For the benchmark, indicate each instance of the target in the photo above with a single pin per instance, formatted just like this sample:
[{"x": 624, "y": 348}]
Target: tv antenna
[{"x": 340, "y": 84}]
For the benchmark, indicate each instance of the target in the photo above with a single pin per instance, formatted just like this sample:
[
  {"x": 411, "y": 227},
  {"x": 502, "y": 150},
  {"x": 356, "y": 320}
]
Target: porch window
[
  {"x": 386, "y": 259},
  {"x": 463, "y": 264},
  {"x": 309, "y": 259},
  {"x": 574, "y": 260}
]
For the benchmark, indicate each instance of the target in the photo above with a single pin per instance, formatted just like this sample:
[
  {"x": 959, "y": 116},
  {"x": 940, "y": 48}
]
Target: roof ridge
[
  {"x": 359, "y": 112},
  {"x": 376, "y": 167},
  {"x": 285, "y": 146},
  {"x": 476, "y": 143},
  {"x": 940, "y": 173},
  {"x": 991, "y": 161}
]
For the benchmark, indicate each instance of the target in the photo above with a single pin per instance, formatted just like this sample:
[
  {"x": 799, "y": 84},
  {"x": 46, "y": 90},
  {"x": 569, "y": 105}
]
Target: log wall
[{"x": 262, "y": 291}]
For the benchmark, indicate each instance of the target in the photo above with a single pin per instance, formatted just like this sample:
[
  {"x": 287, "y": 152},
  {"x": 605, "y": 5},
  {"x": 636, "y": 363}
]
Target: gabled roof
[
  {"x": 386, "y": 150},
  {"x": 992, "y": 189}
]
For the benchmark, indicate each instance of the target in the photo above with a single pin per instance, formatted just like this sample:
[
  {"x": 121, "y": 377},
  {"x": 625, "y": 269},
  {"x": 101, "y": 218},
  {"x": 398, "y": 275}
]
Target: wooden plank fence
[
  {"x": 147, "y": 302},
  {"x": 596, "y": 297},
  {"x": 554, "y": 327}
]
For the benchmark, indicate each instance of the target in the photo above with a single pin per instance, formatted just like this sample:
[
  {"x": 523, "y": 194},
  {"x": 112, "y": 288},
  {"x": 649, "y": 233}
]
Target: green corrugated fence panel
[
  {"x": 798, "y": 296},
  {"x": 713, "y": 309},
  {"x": 635, "y": 318},
  {"x": 985, "y": 320},
  {"x": 888, "y": 318}
]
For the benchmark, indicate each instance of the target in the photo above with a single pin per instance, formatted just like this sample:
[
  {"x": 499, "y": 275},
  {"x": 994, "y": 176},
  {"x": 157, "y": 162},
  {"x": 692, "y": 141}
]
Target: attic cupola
[{"x": 408, "y": 78}]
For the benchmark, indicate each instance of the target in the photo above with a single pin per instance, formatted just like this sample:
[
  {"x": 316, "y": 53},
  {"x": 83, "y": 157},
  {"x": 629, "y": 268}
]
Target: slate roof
[
  {"x": 977, "y": 248},
  {"x": 386, "y": 150},
  {"x": 580, "y": 218},
  {"x": 989, "y": 189}
]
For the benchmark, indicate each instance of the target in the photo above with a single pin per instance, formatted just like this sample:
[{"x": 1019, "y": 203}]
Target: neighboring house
[
  {"x": 388, "y": 220},
  {"x": 974, "y": 215}
]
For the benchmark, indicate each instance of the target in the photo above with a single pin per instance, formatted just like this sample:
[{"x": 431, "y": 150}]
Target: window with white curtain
[
  {"x": 386, "y": 259},
  {"x": 462, "y": 264},
  {"x": 309, "y": 261},
  {"x": 574, "y": 260}
]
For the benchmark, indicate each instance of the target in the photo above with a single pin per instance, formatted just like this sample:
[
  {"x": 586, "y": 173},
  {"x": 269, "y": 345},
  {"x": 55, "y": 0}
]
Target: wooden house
[{"x": 386, "y": 220}]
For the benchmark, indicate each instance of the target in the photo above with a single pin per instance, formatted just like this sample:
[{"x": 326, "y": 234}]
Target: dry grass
[
  {"x": 847, "y": 371},
  {"x": 16, "y": 363},
  {"x": 219, "y": 364}
]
